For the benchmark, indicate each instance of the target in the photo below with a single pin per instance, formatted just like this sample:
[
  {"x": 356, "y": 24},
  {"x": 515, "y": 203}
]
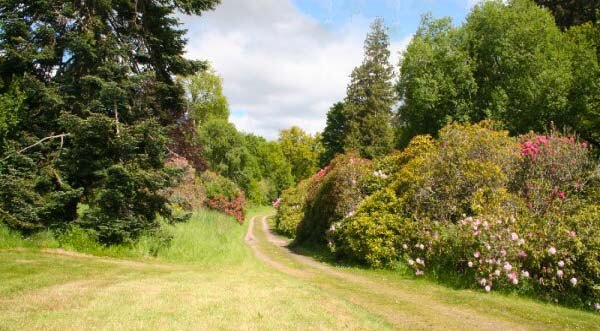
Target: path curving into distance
[{"x": 402, "y": 305}]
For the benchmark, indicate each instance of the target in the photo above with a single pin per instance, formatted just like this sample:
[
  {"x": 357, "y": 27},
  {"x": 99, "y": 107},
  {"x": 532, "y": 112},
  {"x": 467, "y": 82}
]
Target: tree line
[
  {"x": 508, "y": 62},
  {"x": 95, "y": 97}
]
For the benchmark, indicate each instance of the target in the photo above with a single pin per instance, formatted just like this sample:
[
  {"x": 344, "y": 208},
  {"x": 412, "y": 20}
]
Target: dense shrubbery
[
  {"x": 307, "y": 210},
  {"x": 519, "y": 213},
  {"x": 224, "y": 195},
  {"x": 190, "y": 193},
  {"x": 340, "y": 188},
  {"x": 290, "y": 207}
]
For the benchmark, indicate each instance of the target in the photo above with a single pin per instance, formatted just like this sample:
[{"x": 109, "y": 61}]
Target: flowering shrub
[
  {"x": 553, "y": 169},
  {"x": 290, "y": 210},
  {"x": 465, "y": 205},
  {"x": 468, "y": 168},
  {"x": 189, "y": 194},
  {"x": 233, "y": 207},
  {"x": 372, "y": 235},
  {"x": 339, "y": 190},
  {"x": 224, "y": 195}
]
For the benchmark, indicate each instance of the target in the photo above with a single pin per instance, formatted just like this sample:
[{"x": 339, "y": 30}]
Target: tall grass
[
  {"x": 207, "y": 238},
  {"x": 13, "y": 239}
]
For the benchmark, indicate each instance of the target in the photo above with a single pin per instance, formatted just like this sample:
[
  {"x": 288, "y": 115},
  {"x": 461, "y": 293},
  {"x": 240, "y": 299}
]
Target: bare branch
[{"x": 61, "y": 136}]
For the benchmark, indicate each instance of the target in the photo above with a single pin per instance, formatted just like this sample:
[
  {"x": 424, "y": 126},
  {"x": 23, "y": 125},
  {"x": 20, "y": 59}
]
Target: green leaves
[
  {"x": 301, "y": 150},
  {"x": 101, "y": 73},
  {"x": 509, "y": 62}
]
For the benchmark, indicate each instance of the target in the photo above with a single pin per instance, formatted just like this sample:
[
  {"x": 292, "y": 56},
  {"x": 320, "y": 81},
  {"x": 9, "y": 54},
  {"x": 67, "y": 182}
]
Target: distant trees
[
  {"x": 205, "y": 96},
  {"x": 256, "y": 165},
  {"x": 301, "y": 150},
  {"x": 508, "y": 62}
]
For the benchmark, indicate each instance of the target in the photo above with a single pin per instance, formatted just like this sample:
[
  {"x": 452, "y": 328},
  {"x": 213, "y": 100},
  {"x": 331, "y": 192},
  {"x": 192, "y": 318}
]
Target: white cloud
[{"x": 279, "y": 66}]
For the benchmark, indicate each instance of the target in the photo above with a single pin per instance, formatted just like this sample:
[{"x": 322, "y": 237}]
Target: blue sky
[
  {"x": 285, "y": 62},
  {"x": 401, "y": 16}
]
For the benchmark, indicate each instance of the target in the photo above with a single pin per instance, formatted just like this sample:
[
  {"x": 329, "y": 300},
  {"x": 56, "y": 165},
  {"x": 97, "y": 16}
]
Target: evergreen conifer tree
[
  {"x": 370, "y": 97},
  {"x": 91, "y": 90}
]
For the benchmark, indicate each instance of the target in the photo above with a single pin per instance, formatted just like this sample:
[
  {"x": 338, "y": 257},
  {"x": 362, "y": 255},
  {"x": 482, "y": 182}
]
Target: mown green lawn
[{"x": 210, "y": 279}]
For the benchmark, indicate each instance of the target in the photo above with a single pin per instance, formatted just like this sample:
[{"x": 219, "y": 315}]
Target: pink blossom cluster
[
  {"x": 552, "y": 168},
  {"x": 322, "y": 172},
  {"x": 503, "y": 255},
  {"x": 233, "y": 207},
  {"x": 531, "y": 147}
]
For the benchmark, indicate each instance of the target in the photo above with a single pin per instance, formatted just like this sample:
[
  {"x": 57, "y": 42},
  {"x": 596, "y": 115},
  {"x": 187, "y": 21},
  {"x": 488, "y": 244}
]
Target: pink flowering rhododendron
[
  {"x": 322, "y": 172},
  {"x": 553, "y": 168}
]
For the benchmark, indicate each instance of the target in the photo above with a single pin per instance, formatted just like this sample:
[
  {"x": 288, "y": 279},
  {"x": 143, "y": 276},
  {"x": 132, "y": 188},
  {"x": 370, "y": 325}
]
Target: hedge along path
[{"x": 401, "y": 308}]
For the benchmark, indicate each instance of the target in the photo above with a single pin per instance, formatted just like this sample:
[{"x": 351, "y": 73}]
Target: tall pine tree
[
  {"x": 370, "y": 97},
  {"x": 90, "y": 91}
]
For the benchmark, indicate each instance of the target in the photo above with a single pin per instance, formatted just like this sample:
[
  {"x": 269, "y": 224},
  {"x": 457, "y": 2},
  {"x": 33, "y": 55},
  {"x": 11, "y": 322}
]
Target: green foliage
[
  {"x": 372, "y": 236},
  {"x": 508, "y": 62},
  {"x": 521, "y": 67},
  {"x": 369, "y": 98},
  {"x": 572, "y": 12},
  {"x": 436, "y": 81},
  {"x": 301, "y": 151},
  {"x": 86, "y": 90},
  {"x": 290, "y": 211},
  {"x": 275, "y": 170},
  {"x": 205, "y": 94},
  {"x": 10, "y": 102},
  {"x": 334, "y": 198},
  {"x": 334, "y": 134},
  {"x": 32, "y": 199},
  {"x": 584, "y": 99},
  {"x": 224, "y": 149},
  {"x": 126, "y": 202}
]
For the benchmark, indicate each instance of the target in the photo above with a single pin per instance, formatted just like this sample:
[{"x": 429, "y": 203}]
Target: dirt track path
[{"x": 401, "y": 307}]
